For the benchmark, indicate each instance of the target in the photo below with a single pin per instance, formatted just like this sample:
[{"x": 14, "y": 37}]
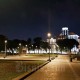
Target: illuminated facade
[
  {"x": 73, "y": 36},
  {"x": 65, "y": 31},
  {"x": 64, "y": 34},
  {"x": 53, "y": 45}
]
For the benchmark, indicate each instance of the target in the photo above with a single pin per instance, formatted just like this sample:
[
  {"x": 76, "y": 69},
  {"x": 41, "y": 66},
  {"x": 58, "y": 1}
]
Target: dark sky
[{"x": 22, "y": 19}]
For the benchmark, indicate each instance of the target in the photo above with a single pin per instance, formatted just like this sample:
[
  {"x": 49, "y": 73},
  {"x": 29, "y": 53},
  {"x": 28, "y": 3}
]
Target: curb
[{"x": 25, "y": 75}]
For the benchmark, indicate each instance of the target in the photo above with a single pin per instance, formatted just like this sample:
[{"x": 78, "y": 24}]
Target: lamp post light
[
  {"x": 32, "y": 46},
  {"x": 49, "y": 36},
  {"x": 36, "y": 46},
  {"x": 19, "y": 44},
  {"x": 5, "y": 47},
  {"x": 26, "y": 45},
  {"x": 36, "y": 49}
]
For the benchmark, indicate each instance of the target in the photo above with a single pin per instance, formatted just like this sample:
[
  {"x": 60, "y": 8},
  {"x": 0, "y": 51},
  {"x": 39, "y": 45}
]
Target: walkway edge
[{"x": 25, "y": 75}]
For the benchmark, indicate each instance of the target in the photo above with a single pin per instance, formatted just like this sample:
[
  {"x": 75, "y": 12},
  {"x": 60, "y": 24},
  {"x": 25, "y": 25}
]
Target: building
[
  {"x": 63, "y": 35},
  {"x": 72, "y": 35},
  {"x": 53, "y": 45}
]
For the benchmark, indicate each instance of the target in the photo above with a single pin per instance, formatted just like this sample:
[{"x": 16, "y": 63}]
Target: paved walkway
[
  {"x": 58, "y": 69},
  {"x": 23, "y": 57}
]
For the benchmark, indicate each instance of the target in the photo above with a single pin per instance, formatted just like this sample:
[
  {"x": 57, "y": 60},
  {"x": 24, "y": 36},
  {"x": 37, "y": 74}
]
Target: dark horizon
[{"x": 23, "y": 19}]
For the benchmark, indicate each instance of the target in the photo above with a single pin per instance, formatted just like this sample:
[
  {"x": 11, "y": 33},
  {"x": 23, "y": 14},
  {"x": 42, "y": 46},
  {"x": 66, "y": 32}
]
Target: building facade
[{"x": 64, "y": 34}]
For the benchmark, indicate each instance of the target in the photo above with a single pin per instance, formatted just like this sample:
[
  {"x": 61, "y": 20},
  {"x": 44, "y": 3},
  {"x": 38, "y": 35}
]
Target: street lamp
[
  {"x": 19, "y": 49},
  {"x": 32, "y": 46},
  {"x": 19, "y": 44},
  {"x": 5, "y": 47},
  {"x": 49, "y": 36},
  {"x": 26, "y": 45},
  {"x": 26, "y": 49}
]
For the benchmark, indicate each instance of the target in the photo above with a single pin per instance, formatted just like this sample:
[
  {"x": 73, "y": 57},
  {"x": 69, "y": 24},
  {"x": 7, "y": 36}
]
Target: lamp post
[
  {"x": 5, "y": 47},
  {"x": 49, "y": 36},
  {"x": 32, "y": 46},
  {"x": 19, "y": 49},
  {"x": 26, "y": 49}
]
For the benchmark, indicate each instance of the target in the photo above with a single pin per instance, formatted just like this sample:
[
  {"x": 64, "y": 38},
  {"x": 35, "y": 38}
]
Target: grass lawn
[{"x": 12, "y": 69}]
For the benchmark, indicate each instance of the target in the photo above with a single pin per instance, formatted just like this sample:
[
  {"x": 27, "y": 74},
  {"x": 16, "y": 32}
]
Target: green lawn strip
[{"x": 12, "y": 69}]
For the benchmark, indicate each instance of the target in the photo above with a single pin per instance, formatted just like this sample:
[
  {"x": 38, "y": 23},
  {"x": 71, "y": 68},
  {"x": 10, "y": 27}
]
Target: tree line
[{"x": 37, "y": 42}]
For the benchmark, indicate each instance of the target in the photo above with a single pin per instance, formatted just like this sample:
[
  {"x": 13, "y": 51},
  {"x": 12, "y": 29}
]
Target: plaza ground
[
  {"x": 13, "y": 66},
  {"x": 58, "y": 69},
  {"x": 28, "y": 57}
]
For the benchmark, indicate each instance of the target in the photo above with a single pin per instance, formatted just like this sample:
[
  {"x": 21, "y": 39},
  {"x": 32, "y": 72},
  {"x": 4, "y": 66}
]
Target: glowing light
[
  {"x": 5, "y": 41},
  {"x": 49, "y": 34},
  {"x": 26, "y": 45},
  {"x": 65, "y": 28},
  {"x": 19, "y": 44}
]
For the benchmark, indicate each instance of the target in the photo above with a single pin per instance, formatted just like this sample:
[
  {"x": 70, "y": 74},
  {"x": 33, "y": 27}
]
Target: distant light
[
  {"x": 19, "y": 44},
  {"x": 49, "y": 34},
  {"x": 5, "y": 41},
  {"x": 17, "y": 47},
  {"x": 26, "y": 45}
]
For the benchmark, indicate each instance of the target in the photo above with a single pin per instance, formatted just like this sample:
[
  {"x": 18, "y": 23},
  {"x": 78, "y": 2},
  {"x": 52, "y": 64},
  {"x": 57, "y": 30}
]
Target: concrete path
[
  {"x": 23, "y": 57},
  {"x": 58, "y": 69}
]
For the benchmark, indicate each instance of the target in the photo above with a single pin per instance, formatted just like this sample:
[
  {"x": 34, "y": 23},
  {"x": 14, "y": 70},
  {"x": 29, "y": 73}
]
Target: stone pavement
[
  {"x": 58, "y": 69},
  {"x": 23, "y": 57}
]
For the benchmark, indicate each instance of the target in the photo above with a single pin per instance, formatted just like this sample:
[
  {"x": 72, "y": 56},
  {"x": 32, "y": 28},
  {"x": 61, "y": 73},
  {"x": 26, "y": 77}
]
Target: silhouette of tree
[
  {"x": 37, "y": 43},
  {"x": 60, "y": 44},
  {"x": 29, "y": 43},
  {"x": 45, "y": 45},
  {"x": 68, "y": 43},
  {"x": 2, "y": 42}
]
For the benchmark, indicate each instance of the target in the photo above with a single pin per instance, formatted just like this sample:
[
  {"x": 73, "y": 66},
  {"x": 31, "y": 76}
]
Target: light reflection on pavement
[{"x": 58, "y": 69}]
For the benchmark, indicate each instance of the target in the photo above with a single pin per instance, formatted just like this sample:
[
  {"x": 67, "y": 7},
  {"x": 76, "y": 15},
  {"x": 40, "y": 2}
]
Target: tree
[
  {"x": 13, "y": 44},
  {"x": 45, "y": 45},
  {"x": 67, "y": 43},
  {"x": 37, "y": 42},
  {"x": 2, "y": 43},
  {"x": 23, "y": 42},
  {"x": 70, "y": 43},
  {"x": 29, "y": 43},
  {"x": 60, "y": 44}
]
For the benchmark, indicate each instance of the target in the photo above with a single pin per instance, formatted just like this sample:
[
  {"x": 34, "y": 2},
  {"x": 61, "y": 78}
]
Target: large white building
[
  {"x": 69, "y": 35},
  {"x": 64, "y": 34}
]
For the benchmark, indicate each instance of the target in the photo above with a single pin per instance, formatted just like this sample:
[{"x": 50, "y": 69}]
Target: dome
[{"x": 72, "y": 33}]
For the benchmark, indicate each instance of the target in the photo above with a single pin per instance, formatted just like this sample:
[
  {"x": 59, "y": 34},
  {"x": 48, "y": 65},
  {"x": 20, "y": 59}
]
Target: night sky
[{"x": 23, "y": 19}]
